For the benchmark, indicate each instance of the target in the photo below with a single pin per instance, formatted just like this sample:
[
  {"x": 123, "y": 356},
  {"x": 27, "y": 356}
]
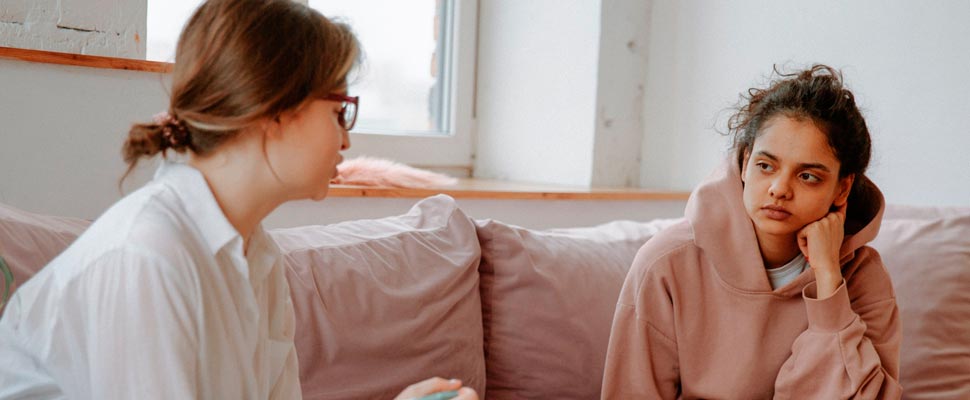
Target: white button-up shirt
[{"x": 155, "y": 300}]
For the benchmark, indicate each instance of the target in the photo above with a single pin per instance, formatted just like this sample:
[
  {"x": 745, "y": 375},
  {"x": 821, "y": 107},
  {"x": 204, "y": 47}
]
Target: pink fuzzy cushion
[
  {"x": 548, "y": 299},
  {"x": 927, "y": 253},
  {"x": 368, "y": 171},
  {"x": 384, "y": 303}
]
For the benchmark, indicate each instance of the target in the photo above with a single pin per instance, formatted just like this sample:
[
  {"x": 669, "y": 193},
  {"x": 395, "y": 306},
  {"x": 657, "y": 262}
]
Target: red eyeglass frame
[{"x": 355, "y": 100}]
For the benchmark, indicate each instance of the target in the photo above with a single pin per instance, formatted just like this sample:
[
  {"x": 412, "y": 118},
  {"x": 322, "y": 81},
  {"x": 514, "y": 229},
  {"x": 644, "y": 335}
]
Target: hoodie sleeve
[
  {"x": 851, "y": 347},
  {"x": 641, "y": 360}
]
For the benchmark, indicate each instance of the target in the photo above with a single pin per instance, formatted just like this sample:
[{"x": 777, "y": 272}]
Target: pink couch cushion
[
  {"x": 29, "y": 241},
  {"x": 548, "y": 299},
  {"x": 384, "y": 303},
  {"x": 927, "y": 253}
]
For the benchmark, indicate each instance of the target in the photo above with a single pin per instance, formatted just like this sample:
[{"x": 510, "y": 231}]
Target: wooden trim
[
  {"x": 82, "y": 60},
  {"x": 495, "y": 190}
]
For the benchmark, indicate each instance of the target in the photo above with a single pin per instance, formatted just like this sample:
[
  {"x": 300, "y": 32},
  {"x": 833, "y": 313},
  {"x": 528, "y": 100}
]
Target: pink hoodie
[{"x": 697, "y": 317}]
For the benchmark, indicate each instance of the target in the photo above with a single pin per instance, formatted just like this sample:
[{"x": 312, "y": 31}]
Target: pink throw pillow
[
  {"x": 29, "y": 241},
  {"x": 381, "y": 304},
  {"x": 927, "y": 253},
  {"x": 548, "y": 298}
]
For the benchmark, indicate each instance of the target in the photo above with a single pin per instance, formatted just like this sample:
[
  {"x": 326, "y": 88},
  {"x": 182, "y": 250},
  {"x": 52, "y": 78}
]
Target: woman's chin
[
  {"x": 775, "y": 228},
  {"x": 320, "y": 195}
]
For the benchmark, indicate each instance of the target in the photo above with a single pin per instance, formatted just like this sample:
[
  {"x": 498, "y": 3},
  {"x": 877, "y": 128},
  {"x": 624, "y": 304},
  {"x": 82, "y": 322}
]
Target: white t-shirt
[
  {"x": 156, "y": 300},
  {"x": 784, "y": 274}
]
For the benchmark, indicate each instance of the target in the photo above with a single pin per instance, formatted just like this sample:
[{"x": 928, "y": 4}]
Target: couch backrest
[
  {"x": 381, "y": 304},
  {"x": 29, "y": 241},
  {"x": 535, "y": 286},
  {"x": 927, "y": 253}
]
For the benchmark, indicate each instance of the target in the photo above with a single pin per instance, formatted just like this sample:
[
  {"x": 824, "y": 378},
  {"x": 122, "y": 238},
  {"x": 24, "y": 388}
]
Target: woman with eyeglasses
[{"x": 177, "y": 291}]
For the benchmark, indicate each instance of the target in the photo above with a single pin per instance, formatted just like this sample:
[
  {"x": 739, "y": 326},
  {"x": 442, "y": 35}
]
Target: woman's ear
[
  {"x": 845, "y": 186},
  {"x": 271, "y": 127},
  {"x": 744, "y": 164}
]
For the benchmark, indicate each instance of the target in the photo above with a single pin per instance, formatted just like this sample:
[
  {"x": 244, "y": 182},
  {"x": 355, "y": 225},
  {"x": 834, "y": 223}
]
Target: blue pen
[{"x": 440, "y": 396}]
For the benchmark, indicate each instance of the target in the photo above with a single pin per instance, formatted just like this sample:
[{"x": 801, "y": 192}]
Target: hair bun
[{"x": 174, "y": 132}]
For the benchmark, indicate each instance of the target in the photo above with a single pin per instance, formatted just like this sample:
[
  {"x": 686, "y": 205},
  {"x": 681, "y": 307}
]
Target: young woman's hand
[
  {"x": 820, "y": 242},
  {"x": 435, "y": 385}
]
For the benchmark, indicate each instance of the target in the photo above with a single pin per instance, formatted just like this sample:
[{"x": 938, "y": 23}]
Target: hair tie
[{"x": 173, "y": 130}]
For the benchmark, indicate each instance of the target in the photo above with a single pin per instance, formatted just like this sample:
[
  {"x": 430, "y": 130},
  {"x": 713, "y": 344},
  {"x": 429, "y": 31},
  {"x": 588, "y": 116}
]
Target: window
[
  {"x": 165, "y": 21},
  {"x": 404, "y": 49},
  {"x": 416, "y": 84}
]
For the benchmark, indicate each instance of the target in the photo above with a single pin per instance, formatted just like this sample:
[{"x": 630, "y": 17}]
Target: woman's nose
[{"x": 780, "y": 188}]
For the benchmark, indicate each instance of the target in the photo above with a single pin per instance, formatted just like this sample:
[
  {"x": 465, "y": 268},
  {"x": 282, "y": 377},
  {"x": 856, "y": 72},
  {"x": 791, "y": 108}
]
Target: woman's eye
[
  {"x": 807, "y": 177},
  {"x": 765, "y": 167}
]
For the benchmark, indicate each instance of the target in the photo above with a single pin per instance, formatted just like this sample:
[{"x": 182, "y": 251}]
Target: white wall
[
  {"x": 94, "y": 27},
  {"x": 537, "y": 68},
  {"x": 62, "y": 130},
  {"x": 620, "y": 89},
  {"x": 60, "y": 154},
  {"x": 906, "y": 61},
  {"x": 560, "y": 91}
]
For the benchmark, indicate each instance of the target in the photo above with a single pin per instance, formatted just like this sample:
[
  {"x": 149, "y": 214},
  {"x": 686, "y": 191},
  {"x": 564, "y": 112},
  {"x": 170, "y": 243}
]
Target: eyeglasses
[{"x": 348, "y": 110}]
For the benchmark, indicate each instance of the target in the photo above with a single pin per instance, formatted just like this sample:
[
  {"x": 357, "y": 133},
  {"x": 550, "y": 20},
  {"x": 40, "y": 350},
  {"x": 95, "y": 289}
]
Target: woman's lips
[{"x": 775, "y": 212}]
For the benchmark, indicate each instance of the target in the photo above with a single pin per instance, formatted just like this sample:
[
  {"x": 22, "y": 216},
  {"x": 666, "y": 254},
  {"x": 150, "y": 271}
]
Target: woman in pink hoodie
[{"x": 767, "y": 289}]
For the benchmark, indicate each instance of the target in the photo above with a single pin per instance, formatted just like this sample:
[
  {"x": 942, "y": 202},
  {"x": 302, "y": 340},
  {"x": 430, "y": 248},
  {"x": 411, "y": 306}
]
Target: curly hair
[{"x": 817, "y": 94}]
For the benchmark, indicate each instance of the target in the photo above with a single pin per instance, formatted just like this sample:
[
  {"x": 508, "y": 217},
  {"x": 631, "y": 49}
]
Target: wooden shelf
[
  {"x": 499, "y": 190},
  {"x": 81, "y": 60}
]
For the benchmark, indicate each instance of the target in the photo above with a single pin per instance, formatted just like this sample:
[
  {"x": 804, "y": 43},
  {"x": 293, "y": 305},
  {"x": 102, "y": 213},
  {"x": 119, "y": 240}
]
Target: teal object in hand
[
  {"x": 7, "y": 282},
  {"x": 440, "y": 396}
]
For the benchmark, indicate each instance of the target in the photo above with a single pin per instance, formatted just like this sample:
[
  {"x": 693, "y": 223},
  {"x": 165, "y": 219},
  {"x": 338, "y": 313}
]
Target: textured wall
[
  {"x": 905, "y": 61},
  {"x": 95, "y": 27}
]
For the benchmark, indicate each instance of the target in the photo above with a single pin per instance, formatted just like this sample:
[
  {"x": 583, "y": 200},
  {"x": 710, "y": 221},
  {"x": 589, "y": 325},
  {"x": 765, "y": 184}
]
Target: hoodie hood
[{"x": 724, "y": 231}]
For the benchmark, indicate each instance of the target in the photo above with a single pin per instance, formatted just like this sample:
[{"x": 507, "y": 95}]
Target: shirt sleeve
[
  {"x": 641, "y": 359},
  {"x": 847, "y": 352},
  {"x": 133, "y": 331}
]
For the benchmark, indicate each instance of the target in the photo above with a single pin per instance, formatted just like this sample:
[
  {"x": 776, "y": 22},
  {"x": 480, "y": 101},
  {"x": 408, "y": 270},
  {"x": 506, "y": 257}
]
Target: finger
[
  {"x": 432, "y": 385},
  {"x": 467, "y": 394},
  {"x": 837, "y": 218},
  {"x": 802, "y": 240},
  {"x": 841, "y": 209}
]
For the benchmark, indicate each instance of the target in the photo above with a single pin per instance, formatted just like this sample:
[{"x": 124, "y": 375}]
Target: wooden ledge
[
  {"x": 499, "y": 190},
  {"x": 82, "y": 60}
]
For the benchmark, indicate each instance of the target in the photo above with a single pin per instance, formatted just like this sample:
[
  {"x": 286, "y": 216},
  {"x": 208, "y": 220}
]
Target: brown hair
[
  {"x": 819, "y": 95},
  {"x": 238, "y": 61}
]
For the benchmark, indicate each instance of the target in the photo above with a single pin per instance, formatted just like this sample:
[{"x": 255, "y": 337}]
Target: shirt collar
[
  {"x": 199, "y": 203},
  {"x": 796, "y": 263},
  {"x": 262, "y": 255},
  {"x": 202, "y": 209}
]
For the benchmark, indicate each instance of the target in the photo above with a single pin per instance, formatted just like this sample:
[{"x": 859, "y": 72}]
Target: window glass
[
  {"x": 400, "y": 86},
  {"x": 165, "y": 21}
]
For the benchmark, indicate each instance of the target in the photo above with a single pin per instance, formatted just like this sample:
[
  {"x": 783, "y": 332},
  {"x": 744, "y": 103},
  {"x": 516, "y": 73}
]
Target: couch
[{"x": 520, "y": 313}]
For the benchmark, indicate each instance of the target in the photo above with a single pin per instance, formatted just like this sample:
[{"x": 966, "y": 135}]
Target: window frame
[{"x": 453, "y": 149}]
